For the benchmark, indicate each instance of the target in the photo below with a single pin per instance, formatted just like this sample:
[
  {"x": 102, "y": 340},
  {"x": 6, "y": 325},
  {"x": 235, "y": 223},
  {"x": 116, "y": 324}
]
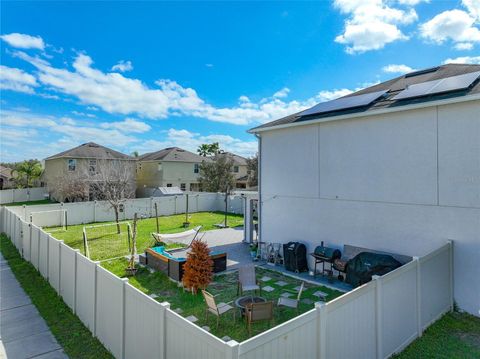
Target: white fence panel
[
  {"x": 145, "y": 321},
  {"x": 35, "y": 245},
  {"x": 43, "y": 254},
  {"x": 17, "y": 231},
  {"x": 104, "y": 212},
  {"x": 398, "y": 308},
  {"x": 351, "y": 326},
  {"x": 54, "y": 263},
  {"x": 51, "y": 218},
  {"x": 26, "y": 237},
  {"x": 67, "y": 275},
  {"x": 165, "y": 205},
  {"x": 435, "y": 283},
  {"x": 81, "y": 212},
  {"x": 141, "y": 206},
  {"x": 294, "y": 339},
  {"x": 109, "y": 314},
  {"x": 22, "y": 194},
  {"x": 85, "y": 293},
  {"x": 201, "y": 344}
]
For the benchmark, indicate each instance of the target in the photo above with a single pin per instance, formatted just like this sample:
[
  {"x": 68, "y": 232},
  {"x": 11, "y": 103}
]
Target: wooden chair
[
  {"x": 255, "y": 312},
  {"x": 290, "y": 302},
  {"x": 247, "y": 280},
  {"x": 215, "y": 309}
]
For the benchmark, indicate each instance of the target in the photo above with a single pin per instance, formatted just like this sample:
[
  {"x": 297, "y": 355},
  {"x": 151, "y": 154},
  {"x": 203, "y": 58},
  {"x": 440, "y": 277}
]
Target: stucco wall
[
  {"x": 403, "y": 182},
  {"x": 174, "y": 173}
]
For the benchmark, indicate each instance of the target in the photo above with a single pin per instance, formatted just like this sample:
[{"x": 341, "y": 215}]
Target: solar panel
[
  {"x": 452, "y": 83},
  {"x": 344, "y": 103}
]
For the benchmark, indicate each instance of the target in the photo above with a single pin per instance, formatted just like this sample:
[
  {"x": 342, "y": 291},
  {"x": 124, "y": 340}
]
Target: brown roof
[
  {"x": 394, "y": 86},
  {"x": 5, "y": 172},
  {"x": 91, "y": 150},
  {"x": 237, "y": 160},
  {"x": 173, "y": 154}
]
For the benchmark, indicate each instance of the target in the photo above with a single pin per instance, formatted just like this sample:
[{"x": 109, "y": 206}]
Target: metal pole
[
  {"x": 186, "y": 211},
  {"x": 226, "y": 206},
  {"x": 156, "y": 217}
]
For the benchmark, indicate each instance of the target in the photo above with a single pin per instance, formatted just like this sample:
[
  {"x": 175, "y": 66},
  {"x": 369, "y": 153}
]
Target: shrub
[{"x": 198, "y": 269}]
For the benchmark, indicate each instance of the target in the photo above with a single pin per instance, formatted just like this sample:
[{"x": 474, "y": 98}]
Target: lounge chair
[
  {"x": 247, "y": 280},
  {"x": 255, "y": 312},
  {"x": 290, "y": 302},
  {"x": 215, "y": 309}
]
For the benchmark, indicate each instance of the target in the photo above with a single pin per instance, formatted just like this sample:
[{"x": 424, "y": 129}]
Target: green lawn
[
  {"x": 71, "y": 334},
  {"x": 455, "y": 335},
  {"x": 225, "y": 286},
  {"x": 29, "y": 203},
  {"x": 107, "y": 244}
]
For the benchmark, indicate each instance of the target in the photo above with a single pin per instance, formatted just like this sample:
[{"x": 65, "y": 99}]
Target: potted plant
[{"x": 131, "y": 270}]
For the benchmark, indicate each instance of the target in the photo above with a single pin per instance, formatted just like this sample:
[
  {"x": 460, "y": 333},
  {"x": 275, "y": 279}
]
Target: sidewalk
[{"x": 23, "y": 332}]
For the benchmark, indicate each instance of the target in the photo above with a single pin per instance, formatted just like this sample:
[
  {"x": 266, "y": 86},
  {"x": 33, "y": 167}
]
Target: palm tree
[{"x": 26, "y": 172}]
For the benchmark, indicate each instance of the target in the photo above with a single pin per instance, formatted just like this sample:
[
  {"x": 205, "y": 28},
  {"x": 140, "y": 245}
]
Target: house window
[
  {"x": 196, "y": 168},
  {"x": 169, "y": 185},
  {"x": 159, "y": 167},
  {"x": 183, "y": 186},
  {"x": 92, "y": 166},
  {"x": 235, "y": 169},
  {"x": 72, "y": 165}
]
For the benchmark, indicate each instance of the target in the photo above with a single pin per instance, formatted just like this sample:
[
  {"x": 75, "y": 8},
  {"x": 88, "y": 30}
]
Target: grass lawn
[
  {"x": 71, "y": 334},
  {"x": 225, "y": 286},
  {"x": 455, "y": 335},
  {"x": 110, "y": 245},
  {"x": 29, "y": 203}
]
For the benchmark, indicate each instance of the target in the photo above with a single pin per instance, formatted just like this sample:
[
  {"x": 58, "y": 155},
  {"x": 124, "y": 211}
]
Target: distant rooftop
[
  {"x": 391, "y": 89},
  {"x": 91, "y": 150},
  {"x": 172, "y": 154}
]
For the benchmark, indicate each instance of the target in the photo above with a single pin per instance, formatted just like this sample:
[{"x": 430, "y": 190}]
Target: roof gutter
[{"x": 371, "y": 113}]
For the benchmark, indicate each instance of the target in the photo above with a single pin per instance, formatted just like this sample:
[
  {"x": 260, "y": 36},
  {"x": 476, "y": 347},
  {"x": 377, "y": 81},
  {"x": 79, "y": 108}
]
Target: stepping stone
[
  {"x": 206, "y": 327},
  {"x": 286, "y": 295},
  {"x": 281, "y": 283},
  {"x": 320, "y": 294},
  {"x": 226, "y": 338},
  {"x": 297, "y": 288},
  {"x": 178, "y": 310},
  {"x": 192, "y": 318},
  {"x": 265, "y": 278},
  {"x": 153, "y": 296},
  {"x": 307, "y": 301},
  {"x": 268, "y": 289}
]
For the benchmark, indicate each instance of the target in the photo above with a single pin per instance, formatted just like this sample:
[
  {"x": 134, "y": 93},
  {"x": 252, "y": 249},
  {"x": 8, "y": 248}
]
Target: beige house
[
  {"x": 75, "y": 174},
  {"x": 6, "y": 178},
  {"x": 170, "y": 167},
  {"x": 240, "y": 170}
]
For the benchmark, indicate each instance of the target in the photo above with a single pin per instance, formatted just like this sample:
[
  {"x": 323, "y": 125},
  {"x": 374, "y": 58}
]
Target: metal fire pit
[{"x": 242, "y": 302}]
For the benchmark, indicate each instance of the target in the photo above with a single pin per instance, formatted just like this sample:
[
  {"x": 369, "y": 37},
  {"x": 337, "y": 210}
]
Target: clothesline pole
[{"x": 156, "y": 217}]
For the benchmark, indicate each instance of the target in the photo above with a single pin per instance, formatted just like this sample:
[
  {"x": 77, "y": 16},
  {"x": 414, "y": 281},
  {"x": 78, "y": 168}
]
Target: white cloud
[
  {"x": 411, "y": 2},
  {"x": 332, "y": 95},
  {"x": 123, "y": 66},
  {"x": 473, "y": 7},
  {"x": 372, "y": 24},
  {"x": 23, "y": 41},
  {"x": 397, "y": 69},
  {"x": 84, "y": 114},
  {"x": 17, "y": 80},
  {"x": 128, "y": 125},
  {"x": 464, "y": 60},
  {"x": 463, "y": 46},
  {"x": 282, "y": 93}
]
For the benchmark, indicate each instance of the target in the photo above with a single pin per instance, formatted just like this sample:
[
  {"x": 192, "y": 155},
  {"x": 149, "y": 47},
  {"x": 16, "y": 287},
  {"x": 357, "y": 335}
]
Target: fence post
[
  {"x": 232, "y": 353},
  {"x": 77, "y": 251},
  {"x": 25, "y": 212},
  {"x": 419, "y": 297},
  {"x": 60, "y": 268},
  {"x": 95, "y": 291},
  {"x": 378, "y": 314},
  {"x": 321, "y": 309},
  {"x": 124, "y": 324},
  {"x": 163, "y": 333},
  {"x": 452, "y": 283}
]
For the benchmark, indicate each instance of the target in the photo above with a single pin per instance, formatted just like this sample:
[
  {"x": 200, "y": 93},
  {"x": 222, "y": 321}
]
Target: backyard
[
  {"x": 107, "y": 244},
  {"x": 224, "y": 286}
]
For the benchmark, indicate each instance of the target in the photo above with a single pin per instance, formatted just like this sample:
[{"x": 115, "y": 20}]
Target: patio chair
[
  {"x": 247, "y": 280},
  {"x": 215, "y": 309},
  {"x": 255, "y": 312},
  {"x": 290, "y": 302}
]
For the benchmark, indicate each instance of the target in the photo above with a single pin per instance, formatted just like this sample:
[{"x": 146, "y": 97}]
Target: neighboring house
[
  {"x": 84, "y": 163},
  {"x": 6, "y": 178},
  {"x": 397, "y": 169},
  {"x": 240, "y": 170},
  {"x": 169, "y": 167}
]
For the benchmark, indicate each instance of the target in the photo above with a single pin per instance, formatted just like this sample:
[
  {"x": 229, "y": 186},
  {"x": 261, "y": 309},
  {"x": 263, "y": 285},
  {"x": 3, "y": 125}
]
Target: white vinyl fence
[
  {"x": 101, "y": 211},
  {"x": 23, "y": 194},
  {"x": 375, "y": 320}
]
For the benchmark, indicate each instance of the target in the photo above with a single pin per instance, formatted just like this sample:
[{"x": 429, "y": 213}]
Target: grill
[{"x": 322, "y": 255}]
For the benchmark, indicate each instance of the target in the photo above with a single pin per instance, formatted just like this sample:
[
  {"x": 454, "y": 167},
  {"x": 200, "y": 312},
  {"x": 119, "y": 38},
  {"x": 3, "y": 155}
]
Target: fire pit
[{"x": 242, "y": 302}]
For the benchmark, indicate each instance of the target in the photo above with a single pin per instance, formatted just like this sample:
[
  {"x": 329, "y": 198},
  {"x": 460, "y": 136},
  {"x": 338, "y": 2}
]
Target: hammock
[{"x": 186, "y": 237}]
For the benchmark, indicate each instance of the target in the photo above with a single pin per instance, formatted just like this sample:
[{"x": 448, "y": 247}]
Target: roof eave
[{"x": 382, "y": 111}]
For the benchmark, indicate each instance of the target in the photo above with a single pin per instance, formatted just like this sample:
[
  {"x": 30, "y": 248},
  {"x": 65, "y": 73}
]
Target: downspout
[{"x": 259, "y": 175}]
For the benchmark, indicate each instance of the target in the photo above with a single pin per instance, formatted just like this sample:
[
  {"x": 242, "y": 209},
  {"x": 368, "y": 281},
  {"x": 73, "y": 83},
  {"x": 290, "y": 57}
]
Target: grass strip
[{"x": 76, "y": 340}]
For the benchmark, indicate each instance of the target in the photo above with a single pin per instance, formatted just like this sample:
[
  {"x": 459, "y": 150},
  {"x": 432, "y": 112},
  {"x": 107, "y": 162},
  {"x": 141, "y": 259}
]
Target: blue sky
[{"x": 144, "y": 76}]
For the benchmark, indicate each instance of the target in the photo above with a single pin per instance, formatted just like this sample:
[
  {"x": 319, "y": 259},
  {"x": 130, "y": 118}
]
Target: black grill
[{"x": 322, "y": 255}]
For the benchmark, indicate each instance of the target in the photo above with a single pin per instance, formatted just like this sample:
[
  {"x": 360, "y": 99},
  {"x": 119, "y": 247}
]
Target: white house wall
[{"x": 400, "y": 183}]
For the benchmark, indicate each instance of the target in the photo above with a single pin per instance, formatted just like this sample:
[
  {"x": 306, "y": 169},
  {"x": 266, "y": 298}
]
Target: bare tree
[
  {"x": 71, "y": 187},
  {"x": 114, "y": 182}
]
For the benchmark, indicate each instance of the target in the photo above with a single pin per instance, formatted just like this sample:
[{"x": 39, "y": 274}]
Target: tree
[
  {"x": 26, "y": 172},
  {"x": 209, "y": 149},
  {"x": 71, "y": 188},
  {"x": 135, "y": 154},
  {"x": 198, "y": 269},
  {"x": 252, "y": 170}
]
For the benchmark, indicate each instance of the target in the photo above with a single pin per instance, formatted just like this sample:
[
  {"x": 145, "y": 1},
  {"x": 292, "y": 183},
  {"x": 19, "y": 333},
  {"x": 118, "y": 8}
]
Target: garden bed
[{"x": 161, "y": 288}]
